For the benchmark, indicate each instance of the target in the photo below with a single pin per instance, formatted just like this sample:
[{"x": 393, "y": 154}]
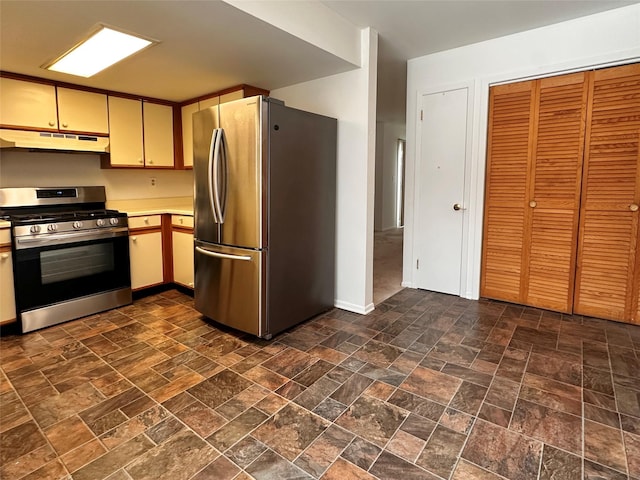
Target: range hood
[{"x": 50, "y": 141}]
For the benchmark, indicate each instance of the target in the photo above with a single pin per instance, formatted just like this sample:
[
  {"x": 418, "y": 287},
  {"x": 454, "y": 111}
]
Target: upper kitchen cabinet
[
  {"x": 141, "y": 134},
  {"x": 158, "y": 135},
  {"x": 82, "y": 111},
  {"x": 31, "y": 105},
  {"x": 27, "y": 105},
  {"x": 192, "y": 107}
]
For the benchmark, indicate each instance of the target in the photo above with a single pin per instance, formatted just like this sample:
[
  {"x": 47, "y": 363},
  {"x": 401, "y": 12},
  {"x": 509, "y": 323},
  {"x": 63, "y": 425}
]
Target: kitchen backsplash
[{"x": 40, "y": 169}]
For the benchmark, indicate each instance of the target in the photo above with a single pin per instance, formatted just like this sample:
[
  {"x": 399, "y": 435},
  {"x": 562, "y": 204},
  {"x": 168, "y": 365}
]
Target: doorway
[{"x": 388, "y": 235}]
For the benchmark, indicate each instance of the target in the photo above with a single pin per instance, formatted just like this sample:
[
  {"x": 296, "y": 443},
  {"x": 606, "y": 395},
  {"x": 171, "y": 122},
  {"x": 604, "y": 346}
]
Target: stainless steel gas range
[{"x": 70, "y": 254}]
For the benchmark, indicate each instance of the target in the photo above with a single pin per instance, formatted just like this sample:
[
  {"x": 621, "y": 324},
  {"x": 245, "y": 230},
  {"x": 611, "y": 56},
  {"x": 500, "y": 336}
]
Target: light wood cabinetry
[
  {"x": 141, "y": 134},
  {"x": 82, "y": 111},
  {"x": 31, "y": 105},
  {"x": 182, "y": 249},
  {"x": 125, "y": 132},
  {"x": 7, "y": 299},
  {"x": 187, "y": 112},
  {"x": 563, "y": 176},
  {"x": 158, "y": 135},
  {"x": 145, "y": 251},
  {"x": 27, "y": 104}
]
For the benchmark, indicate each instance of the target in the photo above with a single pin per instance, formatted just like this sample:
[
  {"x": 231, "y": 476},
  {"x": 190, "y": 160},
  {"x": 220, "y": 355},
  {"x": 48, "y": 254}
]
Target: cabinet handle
[
  {"x": 634, "y": 207},
  {"x": 135, "y": 239},
  {"x": 4, "y": 256},
  {"x": 145, "y": 219},
  {"x": 51, "y": 123},
  {"x": 150, "y": 162},
  {"x": 140, "y": 160},
  {"x": 65, "y": 125},
  {"x": 533, "y": 204},
  {"x": 181, "y": 220}
]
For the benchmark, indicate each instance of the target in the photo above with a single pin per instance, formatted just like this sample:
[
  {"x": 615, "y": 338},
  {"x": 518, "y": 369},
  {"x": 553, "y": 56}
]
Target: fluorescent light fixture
[{"x": 101, "y": 50}]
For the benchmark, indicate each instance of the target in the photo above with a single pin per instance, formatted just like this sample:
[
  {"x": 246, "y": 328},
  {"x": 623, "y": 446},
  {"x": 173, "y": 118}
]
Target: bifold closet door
[
  {"x": 534, "y": 168},
  {"x": 551, "y": 222},
  {"x": 608, "y": 270},
  {"x": 511, "y": 110}
]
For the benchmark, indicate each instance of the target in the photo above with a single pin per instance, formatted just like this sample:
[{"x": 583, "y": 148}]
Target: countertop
[{"x": 153, "y": 206}]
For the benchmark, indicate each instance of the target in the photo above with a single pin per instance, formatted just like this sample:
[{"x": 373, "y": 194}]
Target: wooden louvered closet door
[
  {"x": 608, "y": 270},
  {"x": 511, "y": 109},
  {"x": 551, "y": 223},
  {"x": 535, "y": 149}
]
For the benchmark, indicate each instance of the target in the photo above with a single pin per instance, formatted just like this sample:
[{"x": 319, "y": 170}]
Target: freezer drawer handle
[{"x": 223, "y": 255}]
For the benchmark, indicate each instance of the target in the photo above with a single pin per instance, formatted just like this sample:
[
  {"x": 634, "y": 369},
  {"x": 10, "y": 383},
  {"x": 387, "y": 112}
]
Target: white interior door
[{"x": 440, "y": 188}]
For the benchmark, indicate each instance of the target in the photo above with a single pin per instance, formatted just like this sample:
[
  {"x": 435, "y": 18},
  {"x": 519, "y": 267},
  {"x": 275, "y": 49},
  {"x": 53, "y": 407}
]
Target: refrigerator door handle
[
  {"x": 223, "y": 255},
  {"x": 210, "y": 167},
  {"x": 222, "y": 199},
  {"x": 219, "y": 146}
]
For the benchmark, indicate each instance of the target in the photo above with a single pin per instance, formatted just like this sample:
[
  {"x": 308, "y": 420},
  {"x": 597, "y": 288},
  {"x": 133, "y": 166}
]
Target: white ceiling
[{"x": 210, "y": 45}]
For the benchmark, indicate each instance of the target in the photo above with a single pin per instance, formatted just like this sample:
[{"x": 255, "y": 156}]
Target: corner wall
[
  {"x": 351, "y": 98},
  {"x": 597, "y": 40}
]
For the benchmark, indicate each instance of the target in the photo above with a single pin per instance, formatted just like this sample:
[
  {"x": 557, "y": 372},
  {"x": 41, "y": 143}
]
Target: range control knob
[
  {"x": 113, "y": 221},
  {"x": 77, "y": 224},
  {"x": 52, "y": 227},
  {"x": 100, "y": 222},
  {"x": 35, "y": 229}
]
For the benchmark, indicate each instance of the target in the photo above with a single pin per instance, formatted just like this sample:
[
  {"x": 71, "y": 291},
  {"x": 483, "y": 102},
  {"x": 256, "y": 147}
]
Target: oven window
[
  {"x": 75, "y": 262},
  {"x": 55, "y": 273}
]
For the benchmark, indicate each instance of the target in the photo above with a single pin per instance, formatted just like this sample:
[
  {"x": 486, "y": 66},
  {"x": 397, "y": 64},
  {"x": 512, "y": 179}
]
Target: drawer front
[
  {"x": 182, "y": 221},
  {"x": 5, "y": 236},
  {"x": 145, "y": 221}
]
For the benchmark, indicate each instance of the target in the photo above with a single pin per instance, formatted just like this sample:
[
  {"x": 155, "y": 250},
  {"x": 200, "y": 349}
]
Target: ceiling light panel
[{"x": 101, "y": 50}]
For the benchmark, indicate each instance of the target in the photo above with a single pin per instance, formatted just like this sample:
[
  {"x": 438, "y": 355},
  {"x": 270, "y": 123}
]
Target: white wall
[
  {"x": 597, "y": 40},
  {"x": 39, "y": 169},
  {"x": 351, "y": 98}
]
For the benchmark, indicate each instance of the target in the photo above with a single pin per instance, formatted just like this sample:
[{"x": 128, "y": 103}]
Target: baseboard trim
[{"x": 352, "y": 307}]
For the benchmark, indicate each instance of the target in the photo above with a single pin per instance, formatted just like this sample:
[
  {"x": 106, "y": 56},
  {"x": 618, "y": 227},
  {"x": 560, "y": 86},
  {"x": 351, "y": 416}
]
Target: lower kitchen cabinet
[
  {"x": 183, "y": 258},
  {"x": 7, "y": 299},
  {"x": 182, "y": 246},
  {"x": 145, "y": 250}
]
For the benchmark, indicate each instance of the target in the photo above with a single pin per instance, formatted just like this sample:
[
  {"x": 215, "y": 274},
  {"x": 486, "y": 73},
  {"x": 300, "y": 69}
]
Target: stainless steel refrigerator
[{"x": 265, "y": 199}]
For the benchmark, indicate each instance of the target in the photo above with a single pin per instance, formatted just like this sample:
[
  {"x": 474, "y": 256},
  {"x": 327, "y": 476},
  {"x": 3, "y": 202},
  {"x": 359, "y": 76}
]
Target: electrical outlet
[{"x": 153, "y": 181}]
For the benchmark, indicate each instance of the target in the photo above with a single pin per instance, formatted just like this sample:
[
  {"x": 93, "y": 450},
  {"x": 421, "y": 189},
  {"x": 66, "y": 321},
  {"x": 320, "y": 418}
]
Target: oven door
[{"x": 64, "y": 268}]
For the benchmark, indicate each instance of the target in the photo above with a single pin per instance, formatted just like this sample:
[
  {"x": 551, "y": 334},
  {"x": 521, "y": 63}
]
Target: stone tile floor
[{"x": 427, "y": 386}]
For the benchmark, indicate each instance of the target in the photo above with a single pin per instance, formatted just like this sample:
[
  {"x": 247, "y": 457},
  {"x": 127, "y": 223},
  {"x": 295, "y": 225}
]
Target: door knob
[
  {"x": 457, "y": 206},
  {"x": 634, "y": 207}
]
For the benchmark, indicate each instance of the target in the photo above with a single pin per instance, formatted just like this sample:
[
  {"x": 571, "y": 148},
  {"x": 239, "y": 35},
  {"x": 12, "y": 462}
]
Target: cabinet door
[
  {"x": 82, "y": 111},
  {"x": 231, "y": 96},
  {"x": 145, "y": 250},
  {"x": 7, "y": 299},
  {"x": 511, "y": 111},
  {"x": 209, "y": 102},
  {"x": 183, "y": 258},
  {"x": 27, "y": 104},
  {"x": 607, "y": 281},
  {"x": 551, "y": 214},
  {"x": 125, "y": 132},
  {"x": 158, "y": 135},
  {"x": 187, "y": 133}
]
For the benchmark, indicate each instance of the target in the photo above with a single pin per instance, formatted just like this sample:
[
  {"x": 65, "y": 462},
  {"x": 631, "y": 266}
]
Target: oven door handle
[{"x": 70, "y": 237}]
